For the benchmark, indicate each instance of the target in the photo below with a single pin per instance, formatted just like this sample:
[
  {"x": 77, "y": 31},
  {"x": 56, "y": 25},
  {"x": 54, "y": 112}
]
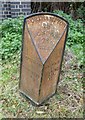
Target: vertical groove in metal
[{"x": 41, "y": 80}]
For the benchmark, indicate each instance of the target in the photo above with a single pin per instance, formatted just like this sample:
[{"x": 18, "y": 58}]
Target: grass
[
  {"x": 78, "y": 51},
  {"x": 67, "y": 102}
]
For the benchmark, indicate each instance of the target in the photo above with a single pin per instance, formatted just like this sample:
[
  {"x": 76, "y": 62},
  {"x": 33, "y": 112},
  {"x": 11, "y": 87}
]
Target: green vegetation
[
  {"x": 76, "y": 29},
  {"x": 11, "y": 31},
  {"x": 81, "y": 12},
  {"x": 68, "y": 101},
  {"x": 76, "y": 35}
]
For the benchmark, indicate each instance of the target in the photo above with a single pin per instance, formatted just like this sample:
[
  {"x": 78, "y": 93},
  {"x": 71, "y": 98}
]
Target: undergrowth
[
  {"x": 75, "y": 39},
  {"x": 11, "y": 31}
]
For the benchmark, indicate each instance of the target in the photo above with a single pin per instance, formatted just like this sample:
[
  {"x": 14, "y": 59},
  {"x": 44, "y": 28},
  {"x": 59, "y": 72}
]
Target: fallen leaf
[{"x": 40, "y": 112}]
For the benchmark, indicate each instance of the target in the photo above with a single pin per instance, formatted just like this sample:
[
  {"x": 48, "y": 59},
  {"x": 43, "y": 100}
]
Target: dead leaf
[{"x": 40, "y": 112}]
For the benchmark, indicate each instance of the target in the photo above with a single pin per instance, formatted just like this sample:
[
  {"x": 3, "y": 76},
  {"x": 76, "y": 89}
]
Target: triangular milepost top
[{"x": 46, "y": 31}]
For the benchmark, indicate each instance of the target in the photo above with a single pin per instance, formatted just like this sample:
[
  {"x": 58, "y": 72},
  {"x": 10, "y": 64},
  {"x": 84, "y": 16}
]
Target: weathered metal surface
[
  {"x": 51, "y": 70},
  {"x": 45, "y": 31},
  {"x": 31, "y": 68},
  {"x": 44, "y": 37}
]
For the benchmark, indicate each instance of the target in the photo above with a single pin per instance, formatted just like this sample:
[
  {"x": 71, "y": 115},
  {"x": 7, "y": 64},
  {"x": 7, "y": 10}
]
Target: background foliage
[
  {"x": 11, "y": 31},
  {"x": 76, "y": 35}
]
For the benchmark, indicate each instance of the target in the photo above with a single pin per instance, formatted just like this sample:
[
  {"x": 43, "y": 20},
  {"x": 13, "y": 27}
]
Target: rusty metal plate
[
  {"x": 31, "y": 68},
  {"x": 45, "y": 31},
  {"x": 44, "y": 37},
  {"x": 51, "y": 70}
]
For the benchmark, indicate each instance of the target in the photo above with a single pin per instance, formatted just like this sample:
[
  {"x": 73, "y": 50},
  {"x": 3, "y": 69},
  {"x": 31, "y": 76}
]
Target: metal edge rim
[{"x": 46, "y": 13}]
